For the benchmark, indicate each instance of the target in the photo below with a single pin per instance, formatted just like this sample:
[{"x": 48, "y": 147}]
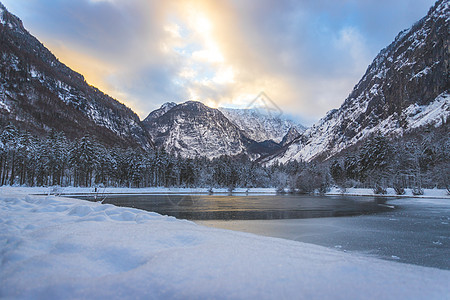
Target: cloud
[{"x": 306, "y": 55}]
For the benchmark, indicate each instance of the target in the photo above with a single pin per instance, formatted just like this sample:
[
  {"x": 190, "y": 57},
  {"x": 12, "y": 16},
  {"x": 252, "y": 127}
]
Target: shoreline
[{"x": 334, "y": 191}]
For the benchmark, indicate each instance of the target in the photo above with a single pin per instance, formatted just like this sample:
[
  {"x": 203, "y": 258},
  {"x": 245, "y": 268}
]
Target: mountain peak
[
  {"x": 168, "y": 105},
  {"x": 10, "y": 21},
  {"x": 260, "y": 126},
  {"x": 191, "y": 104},
  {"x": 405, "y": 87},
  {"x": 193, "y": 129}
]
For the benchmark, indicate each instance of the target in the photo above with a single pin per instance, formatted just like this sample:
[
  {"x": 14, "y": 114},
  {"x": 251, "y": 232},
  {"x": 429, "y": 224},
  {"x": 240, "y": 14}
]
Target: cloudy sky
[{"x": 305, "y": 55}]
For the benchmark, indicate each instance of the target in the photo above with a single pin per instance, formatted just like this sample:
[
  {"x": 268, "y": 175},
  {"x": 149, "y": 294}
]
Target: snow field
[{"x": 54, "y": 247}]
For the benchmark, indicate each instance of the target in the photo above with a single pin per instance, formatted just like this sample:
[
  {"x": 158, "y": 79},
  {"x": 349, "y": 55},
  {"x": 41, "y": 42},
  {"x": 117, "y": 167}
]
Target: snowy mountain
[
  {"x": 39, "y": 93},
  {"x": 193, "y": 129},
  {"x": 406, "y": 87},
  {"x": 259, "y": 126}
]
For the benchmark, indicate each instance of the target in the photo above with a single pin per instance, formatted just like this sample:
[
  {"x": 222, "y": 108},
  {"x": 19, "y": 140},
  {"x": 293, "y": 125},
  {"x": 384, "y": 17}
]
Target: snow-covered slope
[
  {"x": 59, "y": 248},
  {"x": 259, "y": 126},
  {"x": 39, "y": 93},
  {"x": 405, "y": 87},
  {"x": 192, "y": 129}
]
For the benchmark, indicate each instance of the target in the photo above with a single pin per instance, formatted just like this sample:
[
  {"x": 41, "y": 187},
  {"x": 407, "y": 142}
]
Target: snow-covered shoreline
[
  {"x": 334, "y": 191},
  {"x": 131, "y": 191},
  {"x": 55, "y": 247},
  {"x": 390, "y": 192}
]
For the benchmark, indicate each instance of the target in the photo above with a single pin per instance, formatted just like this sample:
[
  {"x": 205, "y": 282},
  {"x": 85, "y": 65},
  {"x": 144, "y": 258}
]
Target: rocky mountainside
[
  {"x": 290, "y": 136},
  {"x": 154, "y": 115},
  {"x": 193, "y": 129},
  {"x": 39, "y": 93},
  {"x": 406, "y": 87},
  {"x": 259, "y": 126}
]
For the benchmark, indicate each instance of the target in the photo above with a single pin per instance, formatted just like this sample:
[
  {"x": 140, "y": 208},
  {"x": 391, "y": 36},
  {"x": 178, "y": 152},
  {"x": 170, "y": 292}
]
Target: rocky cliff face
[
  {"x": 405, "y": 87},
  {"x": 290, "y": 136},
  {"x": 39, "y": 93}
]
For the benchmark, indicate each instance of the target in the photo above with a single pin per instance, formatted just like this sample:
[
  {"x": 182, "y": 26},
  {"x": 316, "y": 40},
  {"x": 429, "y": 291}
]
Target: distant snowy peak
[
  {"x": 259, "y": 126},
  {"x": 404, "y": 88}
]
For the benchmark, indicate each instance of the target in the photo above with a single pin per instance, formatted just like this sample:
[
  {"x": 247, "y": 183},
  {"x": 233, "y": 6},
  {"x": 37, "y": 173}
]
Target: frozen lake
[
  {"x": 249, "y": 207},
  {"x": 406, "y": 230},
  {"x": 416, "y": 231}
]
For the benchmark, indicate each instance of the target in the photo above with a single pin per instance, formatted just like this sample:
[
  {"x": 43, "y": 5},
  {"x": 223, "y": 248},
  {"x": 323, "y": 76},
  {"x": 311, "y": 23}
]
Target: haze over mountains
[{"x": 406, "y": 87}]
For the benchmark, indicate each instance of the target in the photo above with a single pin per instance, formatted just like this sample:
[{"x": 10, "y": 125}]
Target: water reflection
[{"x": 251, "y": 207}]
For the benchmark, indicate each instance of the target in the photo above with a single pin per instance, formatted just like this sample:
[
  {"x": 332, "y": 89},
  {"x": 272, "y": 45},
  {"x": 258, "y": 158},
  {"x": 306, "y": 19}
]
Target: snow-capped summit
[
  {"x": 405, "y": 87},
  {"x": 194, "y": 129},
  {"x": 259, "y": 126}
]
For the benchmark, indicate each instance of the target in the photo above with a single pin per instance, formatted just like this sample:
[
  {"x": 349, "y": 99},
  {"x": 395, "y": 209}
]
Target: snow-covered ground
[
  {"x": 59, "y": 248},
  {"x": 390, "y": 192},
  {"x": 56, "y": 190}
]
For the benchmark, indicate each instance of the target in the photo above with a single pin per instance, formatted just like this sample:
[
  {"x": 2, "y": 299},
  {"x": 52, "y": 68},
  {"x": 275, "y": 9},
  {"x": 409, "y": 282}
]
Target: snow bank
[
  {"x": 428, "y": 193},
  {"x": 59, "y": 248},
  {"x": 390, "y": 192},
  {"x": 150, "y": 190}
]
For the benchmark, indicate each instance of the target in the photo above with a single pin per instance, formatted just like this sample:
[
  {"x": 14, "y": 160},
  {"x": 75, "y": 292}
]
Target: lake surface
[
  {"x": 251, "y": 207},
  {"x": 405, "y": 230},
  {"x": 417, "y": 232}
]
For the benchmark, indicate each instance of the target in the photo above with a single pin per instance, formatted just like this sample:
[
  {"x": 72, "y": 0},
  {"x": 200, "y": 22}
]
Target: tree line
[
  {"x": 55, "y": 160},
  {"x": 26, "y": 160}
]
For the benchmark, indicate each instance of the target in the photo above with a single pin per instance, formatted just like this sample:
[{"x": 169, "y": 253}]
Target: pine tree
[
  {"x": 10, "y": 140},
  {"x": 375, "y": 160},
  {"x": 337, "y": 173}
]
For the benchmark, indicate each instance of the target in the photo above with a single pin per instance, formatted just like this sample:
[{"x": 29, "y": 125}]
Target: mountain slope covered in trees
[
  {"x": 39, "y": 93},
  {"x": 404, "y": 89}
]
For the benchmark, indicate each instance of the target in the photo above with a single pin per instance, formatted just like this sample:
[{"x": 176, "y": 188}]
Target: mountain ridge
[
  {"x": 405, "y": 87},
  {"x": 259, "y": 126},
  {"x": 39, "y": 93},
  {"x": 269, "y": 131}
]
